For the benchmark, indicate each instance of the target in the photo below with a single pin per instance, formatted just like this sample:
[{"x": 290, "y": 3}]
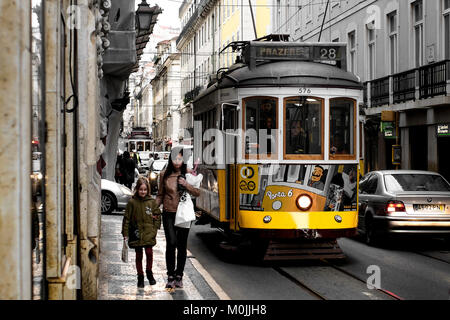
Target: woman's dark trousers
[{"x": 176, "y": 239}]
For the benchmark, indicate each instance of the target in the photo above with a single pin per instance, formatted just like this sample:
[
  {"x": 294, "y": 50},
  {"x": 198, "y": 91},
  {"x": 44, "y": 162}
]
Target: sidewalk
[{"x": 118, "y": 280}]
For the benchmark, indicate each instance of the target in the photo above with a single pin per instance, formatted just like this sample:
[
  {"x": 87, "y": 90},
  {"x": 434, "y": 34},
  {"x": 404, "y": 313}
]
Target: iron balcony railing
[
  {"x": 433, "y": 79},
  {"x": 404, "y": 86},
  {"x": 421, "y": 83},
  {"x": 379, "y": 92}
]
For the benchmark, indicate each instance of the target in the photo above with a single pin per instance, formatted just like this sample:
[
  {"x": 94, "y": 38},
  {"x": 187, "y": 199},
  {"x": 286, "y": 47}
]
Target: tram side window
[
  {"x": 303, "y": 131},
  {"x": 342, "y": 127},
  {"x": 260, "y": 125}
]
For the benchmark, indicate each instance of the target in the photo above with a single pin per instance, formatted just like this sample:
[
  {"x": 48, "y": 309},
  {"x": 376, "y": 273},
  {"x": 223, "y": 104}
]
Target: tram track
[
  {"x": 431, "y": 256},
  {"x": 309, "y": 290},
  {"x": 383, "y": 291}
]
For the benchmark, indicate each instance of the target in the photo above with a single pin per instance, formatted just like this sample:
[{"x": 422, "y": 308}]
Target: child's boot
[
  {"x": 140, "y": 283},
  {"x": 150, "y": 277}
]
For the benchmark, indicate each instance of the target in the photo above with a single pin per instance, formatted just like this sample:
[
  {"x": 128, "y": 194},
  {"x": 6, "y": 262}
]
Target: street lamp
[
  {"x": 144, "y": 17},
  {"x": 169, "y": 116}
]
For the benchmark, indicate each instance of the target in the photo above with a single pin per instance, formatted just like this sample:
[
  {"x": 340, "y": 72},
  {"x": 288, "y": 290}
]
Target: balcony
[{"x": 416, "y": 84}]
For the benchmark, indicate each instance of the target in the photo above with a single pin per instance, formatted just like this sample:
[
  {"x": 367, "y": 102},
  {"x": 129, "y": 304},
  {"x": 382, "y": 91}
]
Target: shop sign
[
  {"x": 388, "y": 129},
  {"x": 443, "y": 130}
]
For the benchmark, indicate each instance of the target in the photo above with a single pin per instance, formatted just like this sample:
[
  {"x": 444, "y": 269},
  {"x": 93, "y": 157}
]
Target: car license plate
[{"x": 429, "y": 207}]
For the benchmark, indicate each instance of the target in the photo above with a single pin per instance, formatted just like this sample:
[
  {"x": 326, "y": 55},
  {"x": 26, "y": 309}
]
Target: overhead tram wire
[
  {"x": 261, "y": 5},
  {"x": 323, "y": 22},
  {"x": 293, "y": 15}
]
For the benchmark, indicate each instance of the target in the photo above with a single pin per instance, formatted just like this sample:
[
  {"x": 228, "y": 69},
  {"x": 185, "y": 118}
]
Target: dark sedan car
[{"x": 403, "y": 201}]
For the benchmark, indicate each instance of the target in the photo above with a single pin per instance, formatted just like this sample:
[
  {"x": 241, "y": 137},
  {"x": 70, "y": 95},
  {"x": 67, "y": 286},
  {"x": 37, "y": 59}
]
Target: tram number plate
[
  {"x": 304, "y": 91},
  {"x": 429, "y": 207}
]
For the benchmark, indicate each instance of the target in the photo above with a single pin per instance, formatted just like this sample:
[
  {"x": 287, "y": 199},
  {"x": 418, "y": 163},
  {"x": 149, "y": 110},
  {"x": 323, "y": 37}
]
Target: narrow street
[{"x": 410, "y": 270}]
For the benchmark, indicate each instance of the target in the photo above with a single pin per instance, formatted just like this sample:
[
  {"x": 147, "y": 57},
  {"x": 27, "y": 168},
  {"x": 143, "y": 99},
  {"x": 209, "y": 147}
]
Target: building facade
[
  {"x": 65, "y": 85},
  {"x": 208, "y": 27},
  {"x": 400, "y": 50},
  {"x": 166, "y": 95}
]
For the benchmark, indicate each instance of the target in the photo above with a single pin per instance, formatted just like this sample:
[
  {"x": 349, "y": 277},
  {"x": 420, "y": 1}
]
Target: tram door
[{"x": 229, "y": 127}]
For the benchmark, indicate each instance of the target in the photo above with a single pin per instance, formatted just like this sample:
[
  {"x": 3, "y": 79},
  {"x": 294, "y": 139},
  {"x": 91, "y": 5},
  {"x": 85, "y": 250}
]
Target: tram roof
[{"x": 286, "y": 74}]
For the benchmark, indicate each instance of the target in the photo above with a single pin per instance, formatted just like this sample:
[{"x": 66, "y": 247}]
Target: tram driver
[{"x": 297, "y": 141}]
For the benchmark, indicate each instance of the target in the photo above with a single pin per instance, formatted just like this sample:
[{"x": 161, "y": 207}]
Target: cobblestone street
[{"x": 118, "y": 280}]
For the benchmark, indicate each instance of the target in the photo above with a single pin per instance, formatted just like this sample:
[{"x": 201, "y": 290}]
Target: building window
[
  {"x": 278, "y": 22},
  {"x": 417, "y": 9},
  {"x": 352, "y": 50},
  {"x": 371, "y": 51},
  {"x": 393, "y": 41},
  {"x": 447, "y": 29}
]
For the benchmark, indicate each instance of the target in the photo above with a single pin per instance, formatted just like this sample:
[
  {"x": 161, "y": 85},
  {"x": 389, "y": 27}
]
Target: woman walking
[
  {"x": 171, "y": 183},
  {"x": 141, "y": 222}
]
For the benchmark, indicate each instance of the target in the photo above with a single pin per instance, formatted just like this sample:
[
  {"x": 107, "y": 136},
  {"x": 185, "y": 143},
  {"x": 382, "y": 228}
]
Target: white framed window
[
  {"x": 371, "y": 51},
  {"x": 446, "y": 25},
  {"x": 278, "y": 14},
  {"x": 417, "y": 14},
  {"x": 393, "y": 41},
  {"x": 297, "y": 9},
  {"x": 309, "y": 11},
  {"x": 352, "y": 51}
]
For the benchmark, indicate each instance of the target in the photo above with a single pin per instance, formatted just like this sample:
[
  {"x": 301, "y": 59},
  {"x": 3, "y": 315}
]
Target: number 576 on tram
[{"x": 278, "y": 136}]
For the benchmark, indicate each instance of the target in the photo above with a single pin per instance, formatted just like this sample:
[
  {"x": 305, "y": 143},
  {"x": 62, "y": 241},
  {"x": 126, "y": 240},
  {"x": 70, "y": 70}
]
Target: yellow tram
[{"x": 278, "y": 139}]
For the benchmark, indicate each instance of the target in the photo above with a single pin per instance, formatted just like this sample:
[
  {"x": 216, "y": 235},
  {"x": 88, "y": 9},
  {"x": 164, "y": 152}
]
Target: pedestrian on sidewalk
[
  {"x": 141, "y": 222},
  {"x": 172, "y": 180},
  {"x": 128, "y": 167}
]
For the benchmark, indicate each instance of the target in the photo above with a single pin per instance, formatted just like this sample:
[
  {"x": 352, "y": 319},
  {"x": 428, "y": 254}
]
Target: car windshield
[
  {"x": 144, "y": 156},
  {"x": 158, "y": 165},
  {"x": 415, "y": 182}
]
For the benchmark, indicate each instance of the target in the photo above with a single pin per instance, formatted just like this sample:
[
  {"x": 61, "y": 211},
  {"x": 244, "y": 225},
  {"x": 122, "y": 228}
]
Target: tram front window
[
  {"x": 260, "y": 125},
  {"x": 303, "y": 126},
  {"x": 342, "y": 130}
]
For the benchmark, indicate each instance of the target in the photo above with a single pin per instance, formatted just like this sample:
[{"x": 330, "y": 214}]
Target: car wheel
[
  {"x": 108, "y": 203},
  {"x": 370, "y": 236}
]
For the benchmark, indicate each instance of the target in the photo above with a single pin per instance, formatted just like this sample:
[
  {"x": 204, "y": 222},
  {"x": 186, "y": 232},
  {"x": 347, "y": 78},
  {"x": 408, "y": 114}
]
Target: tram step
[{"x": 303, "y": 251}]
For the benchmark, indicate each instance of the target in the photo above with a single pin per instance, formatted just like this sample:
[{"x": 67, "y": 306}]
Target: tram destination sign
[{"x": 263, "y": 51}]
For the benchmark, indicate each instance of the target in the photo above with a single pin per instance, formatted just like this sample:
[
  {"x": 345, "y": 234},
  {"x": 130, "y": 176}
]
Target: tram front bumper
[{"x": 328, "y": 224}]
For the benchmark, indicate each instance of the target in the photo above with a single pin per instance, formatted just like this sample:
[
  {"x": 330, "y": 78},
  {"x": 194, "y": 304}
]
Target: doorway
[
  {"x": 418, "y": 137},
  {"x": 444, "y": 156}
]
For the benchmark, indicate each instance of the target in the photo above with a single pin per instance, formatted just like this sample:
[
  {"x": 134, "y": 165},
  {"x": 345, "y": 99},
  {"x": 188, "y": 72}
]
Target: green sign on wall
[
  {"x": 443, "y": 130},
  {"x": 388, "y": 129}
]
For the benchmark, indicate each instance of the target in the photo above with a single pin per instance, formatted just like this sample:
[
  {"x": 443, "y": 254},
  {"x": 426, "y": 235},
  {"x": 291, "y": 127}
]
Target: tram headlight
[{"x": 304, "y": 202}]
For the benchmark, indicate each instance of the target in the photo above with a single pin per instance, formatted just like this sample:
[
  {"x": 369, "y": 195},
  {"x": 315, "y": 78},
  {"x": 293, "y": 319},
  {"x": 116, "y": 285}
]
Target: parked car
[
  {"x": 403, "y": 201},
  {"x": 114, "y": 196},
  {"x": 145, "y": 161},
  {"x": 153, "y": 174},
  {"x": 162, "y": 155}
]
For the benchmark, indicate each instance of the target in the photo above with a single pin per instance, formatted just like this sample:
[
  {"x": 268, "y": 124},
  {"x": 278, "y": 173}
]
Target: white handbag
[{"x": 185, "y": 210}]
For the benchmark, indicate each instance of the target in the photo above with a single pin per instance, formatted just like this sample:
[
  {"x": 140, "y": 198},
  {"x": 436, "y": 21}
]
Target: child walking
[{"x": 141, "y": 222}]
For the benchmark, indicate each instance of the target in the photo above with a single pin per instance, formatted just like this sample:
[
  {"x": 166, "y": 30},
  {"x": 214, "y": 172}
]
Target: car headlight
[
  {"x": 304, "y": 202},
  {"x": 153, "y": 176},
  {"x": 126, "y": 191}
]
